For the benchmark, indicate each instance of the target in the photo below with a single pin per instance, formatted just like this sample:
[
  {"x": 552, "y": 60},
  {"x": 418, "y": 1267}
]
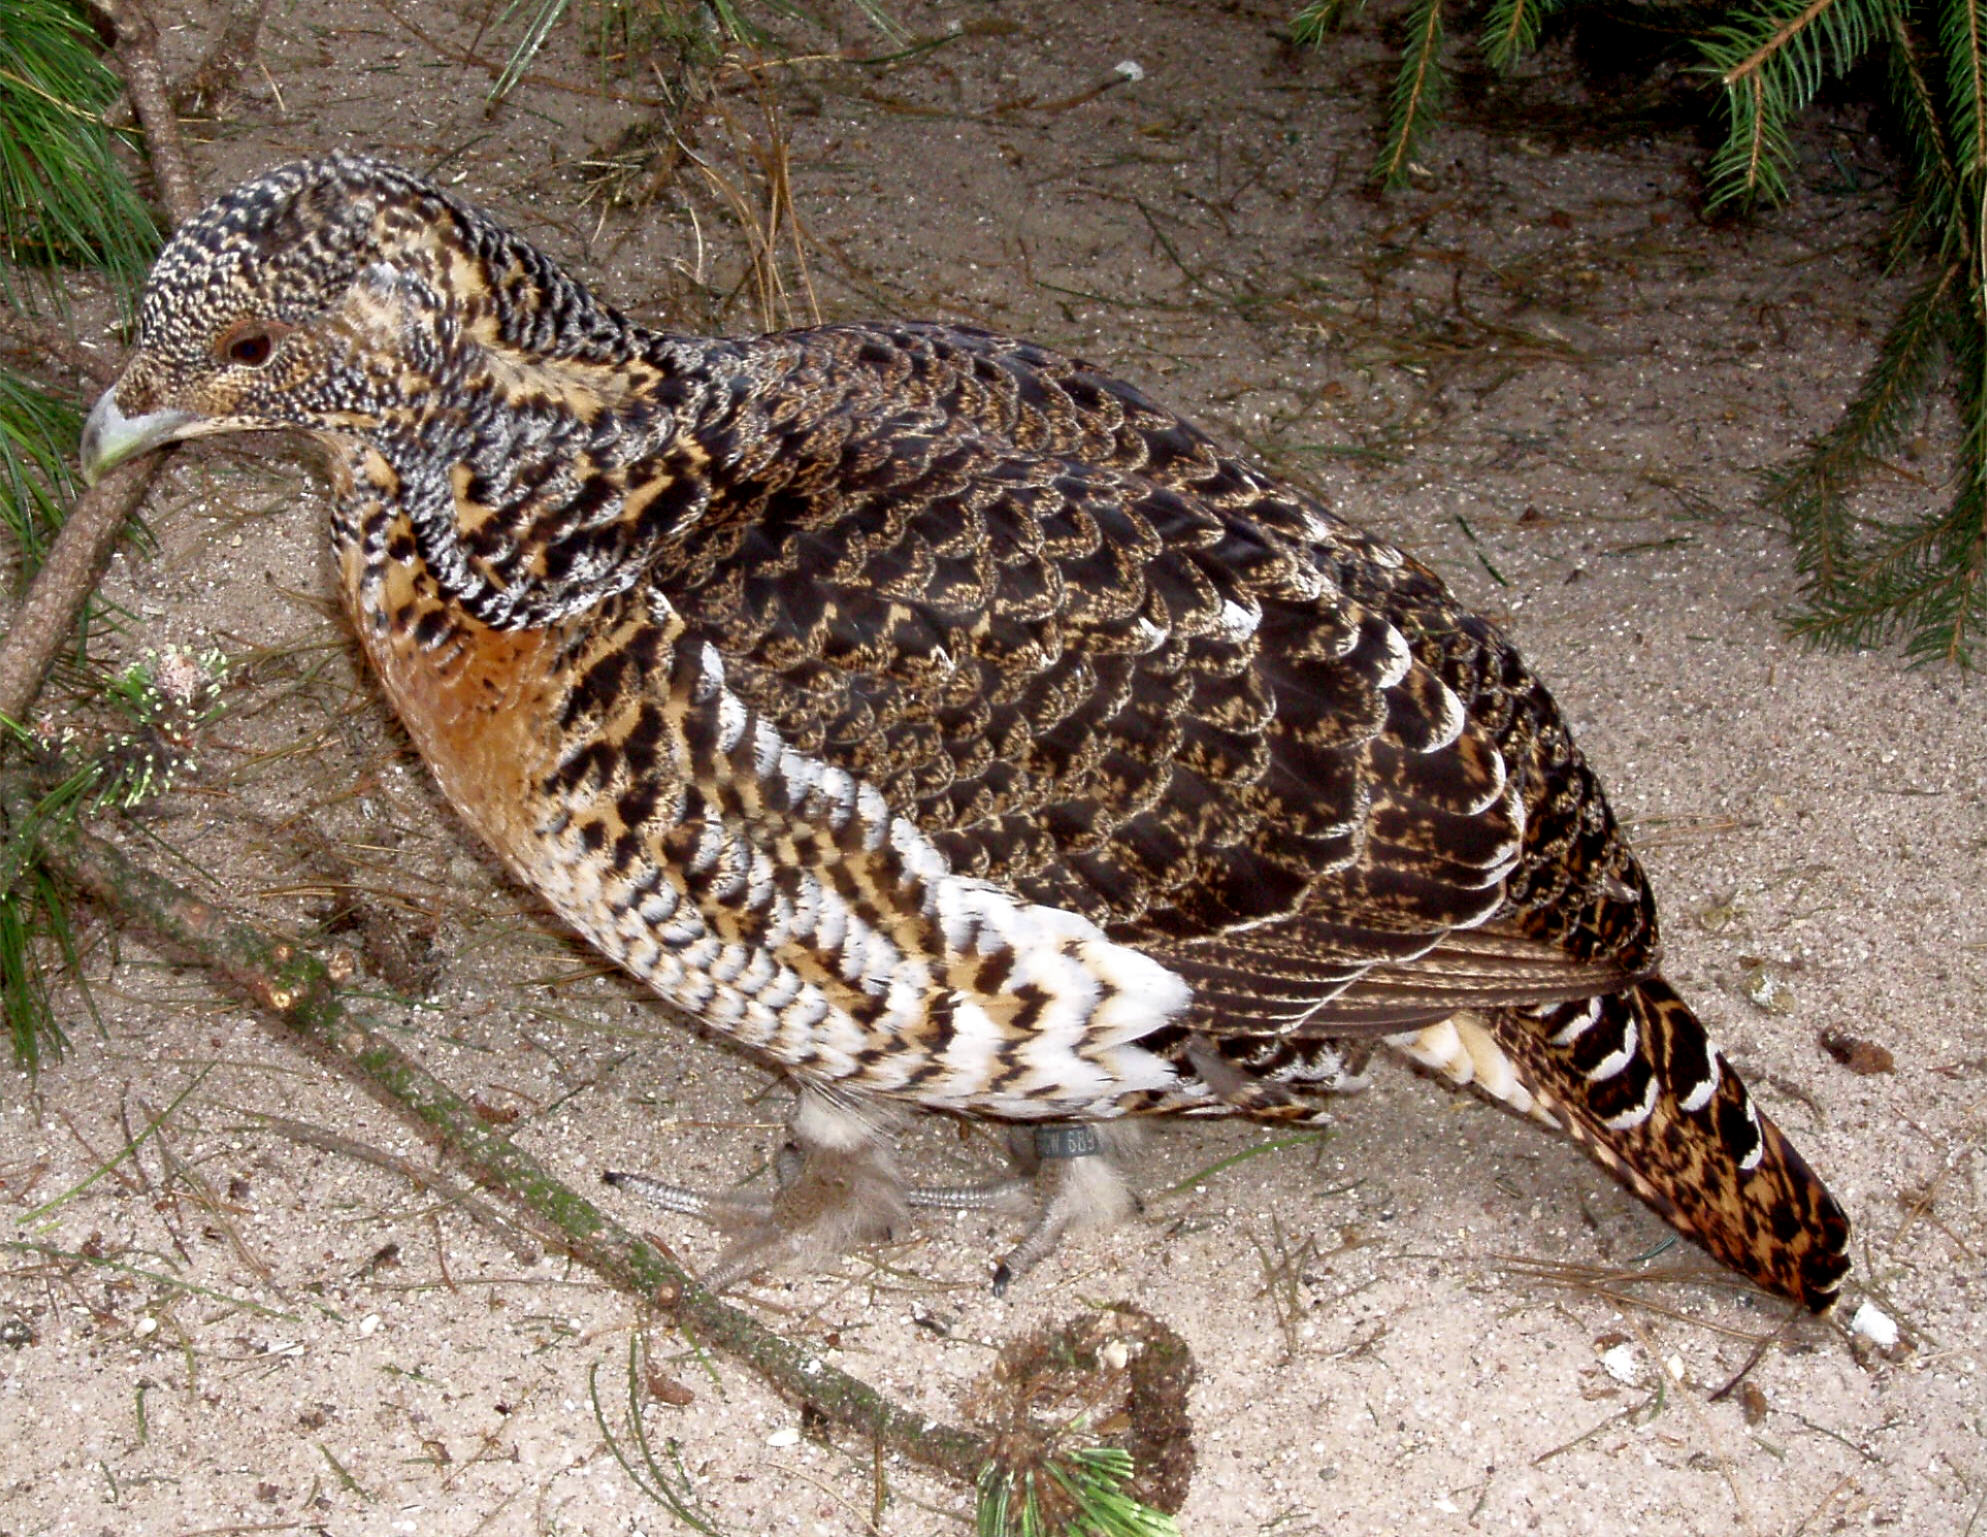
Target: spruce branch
[
  {"x": 1812, "y": 493},
  {"x": 1933, "y": 215},
  {"x": 1418, "y": 89},
  {"x": 1965, "y": 48},
  {"x": 1928, "y": 584},
  {"x": 1318, "y": 19},
  {"x": 1511, "y": 29},
  {"x": 1771, "y": 62}
]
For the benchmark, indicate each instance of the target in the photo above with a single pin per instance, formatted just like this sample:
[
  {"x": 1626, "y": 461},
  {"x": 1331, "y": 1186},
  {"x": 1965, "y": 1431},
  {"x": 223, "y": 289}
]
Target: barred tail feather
[{"x": 1635, "y": 1080}]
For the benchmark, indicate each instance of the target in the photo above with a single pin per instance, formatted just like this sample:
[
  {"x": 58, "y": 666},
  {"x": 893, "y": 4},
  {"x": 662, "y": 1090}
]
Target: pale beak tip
[{"x": 110, "y": 437}]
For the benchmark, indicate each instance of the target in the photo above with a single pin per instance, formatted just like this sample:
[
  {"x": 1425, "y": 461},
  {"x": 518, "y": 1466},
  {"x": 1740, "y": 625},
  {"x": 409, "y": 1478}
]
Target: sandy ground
[{"x": 1538, "y": 369}]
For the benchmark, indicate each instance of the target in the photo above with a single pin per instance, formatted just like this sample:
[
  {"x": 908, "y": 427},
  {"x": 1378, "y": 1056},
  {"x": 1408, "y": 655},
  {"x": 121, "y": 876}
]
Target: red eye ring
[{"x": 249, "y": 344}]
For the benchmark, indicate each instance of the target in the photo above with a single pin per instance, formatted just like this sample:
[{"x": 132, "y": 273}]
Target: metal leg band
[{"x": 1077, "y": 1141}]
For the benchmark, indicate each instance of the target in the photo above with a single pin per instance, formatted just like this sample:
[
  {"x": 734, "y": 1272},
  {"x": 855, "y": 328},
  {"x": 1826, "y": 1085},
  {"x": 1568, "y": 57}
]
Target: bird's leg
[
  {"x": 1071, "y": 1173},
  {"x": 838, "y": 1187}
]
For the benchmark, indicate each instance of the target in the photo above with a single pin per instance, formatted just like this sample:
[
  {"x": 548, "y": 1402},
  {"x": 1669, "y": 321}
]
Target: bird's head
[
  {"x": 245, "y": 313},
  {"x": 334, "y": 295}
]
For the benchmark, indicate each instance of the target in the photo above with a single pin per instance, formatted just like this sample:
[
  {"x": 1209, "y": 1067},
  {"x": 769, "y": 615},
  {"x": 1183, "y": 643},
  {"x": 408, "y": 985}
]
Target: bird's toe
[
  {"x": 836, "y": 1191},
  {"x": 1070, "y": 1178}
]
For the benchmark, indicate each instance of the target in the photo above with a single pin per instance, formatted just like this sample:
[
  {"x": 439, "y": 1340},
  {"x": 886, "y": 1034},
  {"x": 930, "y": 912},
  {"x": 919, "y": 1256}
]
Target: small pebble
[{"x": 1875, "y": 1325}]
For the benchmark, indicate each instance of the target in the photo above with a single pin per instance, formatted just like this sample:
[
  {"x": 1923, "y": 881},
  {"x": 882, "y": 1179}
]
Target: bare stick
[
  {"x": 294, "y": 990},
  {"x": 481, "y": 1211},
  {"x": 82, "y": 549},
  {"x": 76, "y": 561},
  {"x": 138, "y": 50}
]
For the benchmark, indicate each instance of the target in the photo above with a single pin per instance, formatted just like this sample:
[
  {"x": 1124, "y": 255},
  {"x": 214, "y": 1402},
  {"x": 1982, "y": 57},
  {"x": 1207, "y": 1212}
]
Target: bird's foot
[
  {"x": 838, "y": 1188},
  {"x": 1068, "y": 1178}
]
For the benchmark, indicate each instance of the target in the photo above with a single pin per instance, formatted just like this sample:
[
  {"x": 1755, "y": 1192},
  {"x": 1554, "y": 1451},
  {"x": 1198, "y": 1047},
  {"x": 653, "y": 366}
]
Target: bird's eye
[{"x": 248, "y": 345}]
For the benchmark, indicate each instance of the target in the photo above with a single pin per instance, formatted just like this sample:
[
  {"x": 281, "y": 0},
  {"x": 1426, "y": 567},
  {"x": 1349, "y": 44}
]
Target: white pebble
[{"x": 1875, "y": 1325}]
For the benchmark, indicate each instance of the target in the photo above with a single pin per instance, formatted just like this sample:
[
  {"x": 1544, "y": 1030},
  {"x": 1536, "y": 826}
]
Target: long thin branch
[
  {"x": 40, "y": 627},
  {"x": 477, "y": 1210},
  {"x": 138, "y": 51},
  {"x": 82, "y": 549},
  {"x": 297, "y": 995}
]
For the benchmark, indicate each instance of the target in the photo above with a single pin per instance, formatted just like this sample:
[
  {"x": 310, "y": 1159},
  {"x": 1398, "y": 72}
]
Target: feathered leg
[{"x": 839, "y": 1188}]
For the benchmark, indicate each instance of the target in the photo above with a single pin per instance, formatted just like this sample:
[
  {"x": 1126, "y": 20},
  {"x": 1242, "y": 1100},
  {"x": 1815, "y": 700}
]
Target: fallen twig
[
  {"x": 293, "y": 988},
  {"x": 474, "y": 1207},
  {"x": 37, "y": 630},
  {"x": 138, "y": 51}
]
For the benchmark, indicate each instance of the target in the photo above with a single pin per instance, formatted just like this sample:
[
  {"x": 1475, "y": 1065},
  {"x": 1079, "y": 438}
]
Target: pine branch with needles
[{"x": 1922, "y": 579}]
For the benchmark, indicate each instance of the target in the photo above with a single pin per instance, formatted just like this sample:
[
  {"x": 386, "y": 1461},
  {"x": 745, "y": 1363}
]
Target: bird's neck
[
  {"x": 515, "y": 300},
  {"x": 535, "y": 485},
  {"x": 544, "y": 446}
]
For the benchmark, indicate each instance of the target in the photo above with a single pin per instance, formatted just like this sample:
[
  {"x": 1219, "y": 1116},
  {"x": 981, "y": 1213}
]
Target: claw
[
  {"x": 1080, "y": 1186},
  {"x": 838, "y": 1188},
  {"x": 1069, "y": 1180}
]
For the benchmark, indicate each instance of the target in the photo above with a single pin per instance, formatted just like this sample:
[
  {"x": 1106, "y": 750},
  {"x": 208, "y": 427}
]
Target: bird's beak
[{"x": 110, "y": 437}]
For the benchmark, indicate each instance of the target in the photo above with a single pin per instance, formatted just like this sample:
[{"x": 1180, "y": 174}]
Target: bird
[{"x": 949, "y": 725}]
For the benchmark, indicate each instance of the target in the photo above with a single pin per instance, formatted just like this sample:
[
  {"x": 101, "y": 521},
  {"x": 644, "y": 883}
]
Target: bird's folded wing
[
  {"x": 1106, "y": 667},
  {"x": 1302, "y": 978}
]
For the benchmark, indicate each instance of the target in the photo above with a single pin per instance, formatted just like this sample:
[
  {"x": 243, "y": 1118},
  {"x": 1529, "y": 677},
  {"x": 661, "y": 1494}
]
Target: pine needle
[
  {"x": 37, "y": 445},
  {"x": 64, "y": 199}
]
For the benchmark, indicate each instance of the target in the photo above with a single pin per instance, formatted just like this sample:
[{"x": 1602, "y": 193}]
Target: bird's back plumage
[{"x": 945, "y": 720}]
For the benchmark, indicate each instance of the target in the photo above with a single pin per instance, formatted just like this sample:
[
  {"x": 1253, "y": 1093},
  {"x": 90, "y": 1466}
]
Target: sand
[{"x": 1538, "y": 368}]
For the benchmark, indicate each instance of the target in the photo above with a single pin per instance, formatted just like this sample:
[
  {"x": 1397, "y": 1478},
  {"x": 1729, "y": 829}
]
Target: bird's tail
[{"x": 1634, "y": 1078}]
